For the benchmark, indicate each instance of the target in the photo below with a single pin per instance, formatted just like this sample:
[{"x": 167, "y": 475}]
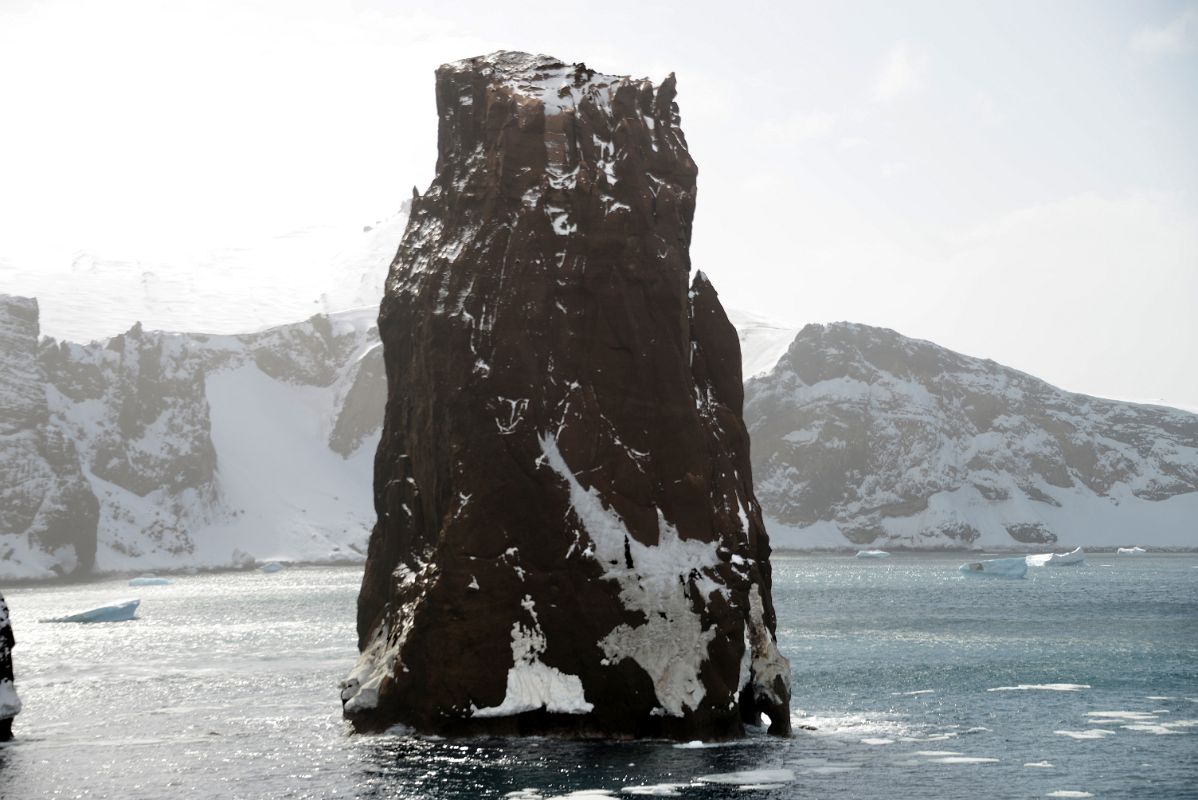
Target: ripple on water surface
[{"x": 912, "y": 683}]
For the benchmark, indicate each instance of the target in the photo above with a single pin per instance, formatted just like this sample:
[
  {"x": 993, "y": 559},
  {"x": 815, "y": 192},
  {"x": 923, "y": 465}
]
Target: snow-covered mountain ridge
[
  {"x": 198, "y": 450},
  {"x": 863, "y": 436},
  {"x": 162, "y": 450}
]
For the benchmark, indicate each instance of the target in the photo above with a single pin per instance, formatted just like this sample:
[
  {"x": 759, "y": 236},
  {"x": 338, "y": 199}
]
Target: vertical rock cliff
[
  {"x": 48, "y": 512},
  {"x": 567, "y": 536}
]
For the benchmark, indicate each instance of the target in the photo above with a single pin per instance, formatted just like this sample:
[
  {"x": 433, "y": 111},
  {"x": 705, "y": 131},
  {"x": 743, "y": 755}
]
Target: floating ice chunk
[
  {"x": 1039, "y": 764},
  {"x": 750, "y": 776},
  {"x": 965, "y": 760},
  {"x": 1163, "y": 729},
  {"x": 1073, "y": 558},
  {"x": 876, "y": 741},
  {"x": 271, "y": 566},
  {"x": 914, "y": 693},
  {"x": 1093, "y": 733},
  {"x": 872, "y": 554},
  {"x": 1134, "y": 716},
  {"x": 1068, "y": 793},
  {"x": 149, "y": 581},
  {"x": 1130, "y": 551},
  {"x": 655, "y": 790},
  {"x": 760, "y": 787},
  {"x": 938, "y": 753},
  {"x": 1008, "y": 568},
  {"x": 120, "y": 611},
  {"x": 1042, "y": 687}
]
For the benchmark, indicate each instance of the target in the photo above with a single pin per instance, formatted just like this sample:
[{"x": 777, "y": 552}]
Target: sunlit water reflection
[{"x": 226, "y": 687}]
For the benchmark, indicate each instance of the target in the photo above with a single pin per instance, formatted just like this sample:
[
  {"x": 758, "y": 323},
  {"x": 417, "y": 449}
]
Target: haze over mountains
[{"x": 203, "y": 450}]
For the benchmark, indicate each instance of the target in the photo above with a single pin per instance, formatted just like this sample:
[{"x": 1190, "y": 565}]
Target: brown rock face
[{"x": 567, "y": 538}]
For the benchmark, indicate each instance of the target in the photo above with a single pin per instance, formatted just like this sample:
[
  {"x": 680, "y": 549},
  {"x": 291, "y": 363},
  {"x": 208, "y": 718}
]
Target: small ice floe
[
  {"x": 1039, "y": 764},
  {"x": 1042, "y": 687},
  {"x": 1073, "y": 558},
  {"x": 750, "y": 777},
  {"x": 149, "y": 580},
  {"x": 655, "y": 790},
  {"x": 964, "y": 760},
  {"x": 1008, "y": 568},
  {"x": 581, "y": 794},
  {"x": 875, "y": 740},
  {"x": 1068, "y": 793},
  {"x": 271, "y": 566},
  {"x": 1093, "y": 733},
  {"x": 938, "y": 753},
  {"x": 872, "y": 554},
  {"x": 914, "y": 693},
  {"x": 121, "y": 611},
  {"x": 1130, "y": 551},
  {"x": 1112, "y": 716}
]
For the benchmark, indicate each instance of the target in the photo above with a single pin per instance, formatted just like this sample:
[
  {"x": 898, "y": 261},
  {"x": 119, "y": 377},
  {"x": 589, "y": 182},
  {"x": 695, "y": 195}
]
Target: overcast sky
[{"x": 1014, "y": 180}]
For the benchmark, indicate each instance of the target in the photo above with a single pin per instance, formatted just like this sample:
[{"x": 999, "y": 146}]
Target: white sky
[{"x": 1014, "y": 180}]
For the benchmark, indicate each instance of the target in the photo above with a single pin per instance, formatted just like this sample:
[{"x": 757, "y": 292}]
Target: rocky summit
[{"x": 567, "y": 537}]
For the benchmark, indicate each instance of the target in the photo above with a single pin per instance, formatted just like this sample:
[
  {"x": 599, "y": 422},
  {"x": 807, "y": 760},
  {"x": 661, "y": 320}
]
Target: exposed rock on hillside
[
  {"x": 48, "y": 513},
  {"x": 158, "y": 450},
  {"x": 567, "y": 537},
  {"x": 863, "y": 436}
]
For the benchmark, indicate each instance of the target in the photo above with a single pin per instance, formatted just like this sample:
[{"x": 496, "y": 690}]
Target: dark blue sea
[{"x": 909, "y": 682}]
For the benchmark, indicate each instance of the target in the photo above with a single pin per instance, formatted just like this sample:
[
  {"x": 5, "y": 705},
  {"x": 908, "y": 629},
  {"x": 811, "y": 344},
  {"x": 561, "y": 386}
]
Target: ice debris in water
[
  {"x": 1042, "y": 687},
  {"x": 750, "y": 776},
  {"x": 655, "y": 790},
  {"x": 120, "y": 611},
  {"x": 1094, "y": 733}
]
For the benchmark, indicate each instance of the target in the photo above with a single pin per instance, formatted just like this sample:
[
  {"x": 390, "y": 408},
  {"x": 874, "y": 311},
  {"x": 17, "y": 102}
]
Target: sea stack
[{"x": 567, "y": 538}]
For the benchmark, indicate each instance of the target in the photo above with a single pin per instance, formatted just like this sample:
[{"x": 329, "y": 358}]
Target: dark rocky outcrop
[
  {"x": 10, "y": 703},
  {"x": 567, "y": 536}
]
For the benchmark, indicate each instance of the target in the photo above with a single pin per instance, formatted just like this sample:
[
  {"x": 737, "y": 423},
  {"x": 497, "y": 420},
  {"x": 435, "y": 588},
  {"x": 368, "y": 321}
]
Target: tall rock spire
[{"x": 567, "y": 536}]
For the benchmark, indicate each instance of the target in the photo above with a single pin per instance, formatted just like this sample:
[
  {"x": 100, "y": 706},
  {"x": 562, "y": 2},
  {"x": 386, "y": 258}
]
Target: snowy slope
[
  {"x": 863, "y": 436},
  {"x": 762, "y": 341},
  {"x": 88, "y": 297},
  {"x": 202, "y": 450}
]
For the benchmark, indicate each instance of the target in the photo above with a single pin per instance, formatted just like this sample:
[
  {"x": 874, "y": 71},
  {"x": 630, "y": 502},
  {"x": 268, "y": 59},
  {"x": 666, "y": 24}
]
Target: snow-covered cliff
[
  {"x": 48, "y": 511},
  {"x": 863, "y": 436},
  {"x": 201, "y": 450}
]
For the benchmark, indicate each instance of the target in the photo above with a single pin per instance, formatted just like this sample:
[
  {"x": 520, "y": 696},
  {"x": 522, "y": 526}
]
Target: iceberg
[
  {"x": 1011, "y": 568},
  {"x": 271, "y": 566},
  {"x": 1130, "y": 551},
  {"x": 120, "y": 611},
  {"x": 1073, "y": 558},
  {"x": 149, "y": 580},
  {"x": 872, "y": 554}
]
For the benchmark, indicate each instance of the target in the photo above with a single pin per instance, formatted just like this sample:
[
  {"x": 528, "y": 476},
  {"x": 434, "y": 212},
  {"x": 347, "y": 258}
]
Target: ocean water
[{"x": 914, "y": 682}]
